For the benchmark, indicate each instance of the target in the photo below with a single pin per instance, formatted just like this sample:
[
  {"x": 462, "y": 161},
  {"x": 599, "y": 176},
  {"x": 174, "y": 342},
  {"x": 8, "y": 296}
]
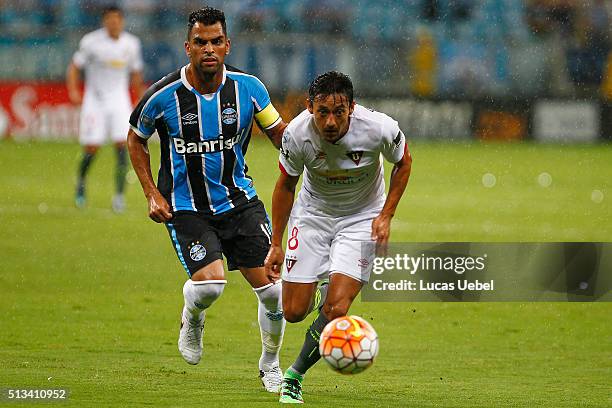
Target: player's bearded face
[
  {"x": 207, "y": 48},
  {"x": 331, "y": 115}
]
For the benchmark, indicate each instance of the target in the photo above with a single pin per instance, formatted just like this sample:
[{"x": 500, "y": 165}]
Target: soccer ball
[{"x": 349, "y": 344}]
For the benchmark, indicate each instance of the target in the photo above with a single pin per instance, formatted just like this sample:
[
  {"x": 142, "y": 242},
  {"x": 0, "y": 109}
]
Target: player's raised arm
[
  {"x": 400, "y": 174},
  {"x": 159, "y": 209}
]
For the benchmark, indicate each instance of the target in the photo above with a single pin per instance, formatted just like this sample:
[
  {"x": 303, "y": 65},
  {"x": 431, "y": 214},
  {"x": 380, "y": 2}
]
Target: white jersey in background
[
  {"x": 107, "y": 64},
  {"x": 345, "y": 177}
]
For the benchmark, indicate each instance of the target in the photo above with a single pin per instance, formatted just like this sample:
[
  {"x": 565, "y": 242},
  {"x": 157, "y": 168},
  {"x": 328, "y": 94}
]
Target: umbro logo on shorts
[{"x": 189, "y": 119}]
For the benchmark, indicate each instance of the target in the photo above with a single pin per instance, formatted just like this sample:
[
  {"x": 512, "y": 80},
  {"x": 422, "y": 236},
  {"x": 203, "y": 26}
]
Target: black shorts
[{"x": 241, "y": 234}]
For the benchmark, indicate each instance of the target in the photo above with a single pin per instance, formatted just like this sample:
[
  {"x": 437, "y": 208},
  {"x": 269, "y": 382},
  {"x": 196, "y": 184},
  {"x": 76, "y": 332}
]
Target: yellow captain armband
[{"x": 268, "y": 117}]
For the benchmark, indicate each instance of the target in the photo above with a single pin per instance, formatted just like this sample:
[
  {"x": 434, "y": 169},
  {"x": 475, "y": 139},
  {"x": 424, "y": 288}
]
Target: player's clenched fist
[
  {"x": 159, "y": 210},
  {"x": 274, "y": 261}
]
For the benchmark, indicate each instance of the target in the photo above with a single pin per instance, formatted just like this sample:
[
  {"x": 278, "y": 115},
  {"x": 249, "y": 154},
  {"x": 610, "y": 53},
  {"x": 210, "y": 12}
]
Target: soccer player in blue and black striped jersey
[{"x": 203, "y": 114}]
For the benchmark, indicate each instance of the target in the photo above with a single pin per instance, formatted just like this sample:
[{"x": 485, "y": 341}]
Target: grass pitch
[{"x": 90, "y": 301}]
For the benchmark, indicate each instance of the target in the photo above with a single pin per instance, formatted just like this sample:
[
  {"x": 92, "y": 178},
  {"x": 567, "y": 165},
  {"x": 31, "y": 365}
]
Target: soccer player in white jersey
[
  {"x": 341, "y": 215},
  {"x": 110, "y": 60}
]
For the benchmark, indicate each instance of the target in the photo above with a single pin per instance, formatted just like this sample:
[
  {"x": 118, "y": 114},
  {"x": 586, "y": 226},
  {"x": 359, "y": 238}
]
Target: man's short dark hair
[
  {"x": 113, "y": 8},
  {"x": 329, "y": 83},
  {"x": 207, "y": 16}
]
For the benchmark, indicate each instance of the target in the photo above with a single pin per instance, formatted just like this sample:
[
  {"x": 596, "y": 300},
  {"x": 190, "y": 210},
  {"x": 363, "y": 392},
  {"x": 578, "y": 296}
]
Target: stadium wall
[
  {"x": 42, "y": 110},
  {"x": 545, "y": 120}
]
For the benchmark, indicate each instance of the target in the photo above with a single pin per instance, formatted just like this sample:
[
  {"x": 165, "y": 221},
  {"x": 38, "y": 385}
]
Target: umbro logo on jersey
[
  {"x": 189, "y": 119},
  {"x": 355, "y": 156}
]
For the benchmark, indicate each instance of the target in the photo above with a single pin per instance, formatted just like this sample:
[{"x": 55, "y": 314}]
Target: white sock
[
  {"x": 199, "y": 295},
  {"x": 271, "y": 323}
]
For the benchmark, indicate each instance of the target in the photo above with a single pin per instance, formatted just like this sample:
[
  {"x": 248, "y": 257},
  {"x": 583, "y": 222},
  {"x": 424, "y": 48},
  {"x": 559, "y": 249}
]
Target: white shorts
[
  {"x": 103, "y": 120},
  {"x": 318, "y": 245}
]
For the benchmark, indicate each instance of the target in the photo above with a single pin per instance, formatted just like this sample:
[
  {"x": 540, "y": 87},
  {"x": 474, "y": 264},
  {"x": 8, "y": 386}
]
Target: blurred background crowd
[{"x": 425, "y": 48}]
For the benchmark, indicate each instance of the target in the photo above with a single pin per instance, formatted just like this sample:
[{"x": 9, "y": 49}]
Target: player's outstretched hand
[
  {"x": 381, "y": 227},
  {"x": 159, "y": 210},
  {"x": 274, "y": 261}
]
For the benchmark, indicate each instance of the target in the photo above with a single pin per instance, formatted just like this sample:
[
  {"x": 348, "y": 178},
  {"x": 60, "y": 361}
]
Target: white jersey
[
  {"x": 108, "y": 63},
  {"x": 345, "y": 177}
]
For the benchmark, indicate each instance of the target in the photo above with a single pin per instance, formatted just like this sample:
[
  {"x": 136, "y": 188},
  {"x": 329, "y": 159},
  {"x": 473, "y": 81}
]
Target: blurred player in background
[
  {"x": 110, "y": 59},
  {"x": 341, "y": 214},
  {"x": 203, "y": 114}
]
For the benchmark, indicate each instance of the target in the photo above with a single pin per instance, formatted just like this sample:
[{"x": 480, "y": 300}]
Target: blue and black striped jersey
[{"x": 204, "y": 138}]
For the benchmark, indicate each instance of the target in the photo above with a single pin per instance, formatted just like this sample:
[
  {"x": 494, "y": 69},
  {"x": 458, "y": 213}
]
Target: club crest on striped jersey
[
  {"x": 355, "y": 156},
  {"x": 229, "y": 116}
]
